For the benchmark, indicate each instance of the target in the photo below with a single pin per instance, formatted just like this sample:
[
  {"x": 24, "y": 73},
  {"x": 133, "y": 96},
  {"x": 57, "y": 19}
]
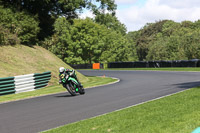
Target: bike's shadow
[{"x": 65, "y": 95}]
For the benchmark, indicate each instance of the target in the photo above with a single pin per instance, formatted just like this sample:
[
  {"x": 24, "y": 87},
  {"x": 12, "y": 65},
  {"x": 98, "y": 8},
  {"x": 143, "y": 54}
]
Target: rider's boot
[{"x": 79, "y": 83}]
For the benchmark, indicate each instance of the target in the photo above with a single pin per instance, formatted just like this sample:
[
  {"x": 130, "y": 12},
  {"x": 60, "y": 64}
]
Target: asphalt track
[{"x": 42, "y": 113}]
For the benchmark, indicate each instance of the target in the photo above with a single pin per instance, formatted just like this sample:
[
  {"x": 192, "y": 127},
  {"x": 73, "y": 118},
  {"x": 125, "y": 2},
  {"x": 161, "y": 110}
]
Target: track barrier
[
  {"x": 140, "y": 64},
  {"x": 87, "y": 66},
  {"x": 155, "y": 64},
  {"x": 96, "y": 66},
  {"x": 24, "y": 83}
]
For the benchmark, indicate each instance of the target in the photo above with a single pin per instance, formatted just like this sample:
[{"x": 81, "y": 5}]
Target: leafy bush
[
  {"x": 22, "y": 24},
  {"x": 7, "y": 38}
]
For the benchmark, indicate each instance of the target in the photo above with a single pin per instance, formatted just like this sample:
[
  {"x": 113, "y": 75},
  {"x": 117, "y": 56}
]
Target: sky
[{"x": 136, "y": 13}]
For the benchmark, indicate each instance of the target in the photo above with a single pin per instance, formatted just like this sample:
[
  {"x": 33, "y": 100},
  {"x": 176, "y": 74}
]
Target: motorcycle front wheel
[{"x": 71, "y": 89}]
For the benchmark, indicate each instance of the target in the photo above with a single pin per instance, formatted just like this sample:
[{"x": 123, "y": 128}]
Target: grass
[
  {"x": 156, "y": 69},
  {"x": 178, "y": 113},
  {"x": 91, "y": 82},
  {"x": 19, "y": 60}
]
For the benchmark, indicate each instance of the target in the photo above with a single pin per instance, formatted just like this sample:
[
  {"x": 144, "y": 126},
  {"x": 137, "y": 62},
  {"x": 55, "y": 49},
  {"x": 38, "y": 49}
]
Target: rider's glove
[
  {"x": 60, "y": 81},
  {"x": 71, "y": 74}
]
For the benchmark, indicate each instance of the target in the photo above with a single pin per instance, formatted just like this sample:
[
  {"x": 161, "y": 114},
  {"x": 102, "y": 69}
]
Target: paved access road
[{"x": 42, "y": 113}]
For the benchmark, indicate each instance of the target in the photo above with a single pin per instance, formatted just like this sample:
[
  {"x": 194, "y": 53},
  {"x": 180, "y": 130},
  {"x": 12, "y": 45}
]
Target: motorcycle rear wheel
[{"x": 81, "y": 90}]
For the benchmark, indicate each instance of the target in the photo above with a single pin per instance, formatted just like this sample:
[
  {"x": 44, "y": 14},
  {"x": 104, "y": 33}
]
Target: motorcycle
[{"x": 71, "y": 84}]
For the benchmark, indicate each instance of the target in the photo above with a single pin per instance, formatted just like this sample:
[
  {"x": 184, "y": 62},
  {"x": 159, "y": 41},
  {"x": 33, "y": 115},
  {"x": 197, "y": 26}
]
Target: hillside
[{"x": 20, "y": 60}]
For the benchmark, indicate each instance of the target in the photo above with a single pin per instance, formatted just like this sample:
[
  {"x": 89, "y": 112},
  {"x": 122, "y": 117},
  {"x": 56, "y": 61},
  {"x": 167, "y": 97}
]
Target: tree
[
  {"x": 116, "y": 48},
  {"x": 49, "y": 10},
  {"x": 22, "y": 24},
  {"x": 85, "y": 41},
  {"x": 147, "y": 36},
  {"x": 132, "y": 39},
  {"x": 176, "y": 41},
  {"x": 59, "y": 42},
  {"x": 111, "y": 21},
  {"x": 159, "y": 51}
]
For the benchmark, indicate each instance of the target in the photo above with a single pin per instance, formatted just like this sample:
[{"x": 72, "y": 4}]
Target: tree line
[
  {"x": 55, "y": 25},
  {"x": 167, "y": 40}
]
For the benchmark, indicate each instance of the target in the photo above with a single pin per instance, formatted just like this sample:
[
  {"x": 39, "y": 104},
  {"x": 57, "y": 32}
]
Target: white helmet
[{"x": 61, "y": 69}]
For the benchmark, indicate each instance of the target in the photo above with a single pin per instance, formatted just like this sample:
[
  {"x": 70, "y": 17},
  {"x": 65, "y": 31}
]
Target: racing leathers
[{"x": 71, "y": 73}]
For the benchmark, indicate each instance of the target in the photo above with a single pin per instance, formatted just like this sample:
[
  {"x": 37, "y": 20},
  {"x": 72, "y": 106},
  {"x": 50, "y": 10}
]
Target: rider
[{"x": 69, "y": 72}]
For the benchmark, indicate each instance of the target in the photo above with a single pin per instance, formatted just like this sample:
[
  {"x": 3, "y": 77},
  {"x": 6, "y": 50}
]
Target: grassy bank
[
  {"x": 91, "y": 82},
  {"x": 178, "y": 113},
  {"x": 20, "y": 60}
]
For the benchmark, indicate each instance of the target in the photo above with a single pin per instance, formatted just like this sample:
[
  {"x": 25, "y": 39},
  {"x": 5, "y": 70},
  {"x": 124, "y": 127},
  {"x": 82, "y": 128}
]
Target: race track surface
[{"x": 42, "y": 113}]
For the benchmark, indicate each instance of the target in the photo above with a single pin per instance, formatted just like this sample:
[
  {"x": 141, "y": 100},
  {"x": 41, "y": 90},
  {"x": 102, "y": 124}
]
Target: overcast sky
[{"x": 136, "y": 13}]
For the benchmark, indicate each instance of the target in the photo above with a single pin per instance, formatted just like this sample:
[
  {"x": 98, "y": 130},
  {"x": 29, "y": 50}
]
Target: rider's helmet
[{"x": 61, "y": 69}]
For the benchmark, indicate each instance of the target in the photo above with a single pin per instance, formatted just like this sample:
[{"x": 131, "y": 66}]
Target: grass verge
[
  {"x": 91, "y": 82},
  {"x": 178, "y": 113},
  {"x": 156, "y": 69}
]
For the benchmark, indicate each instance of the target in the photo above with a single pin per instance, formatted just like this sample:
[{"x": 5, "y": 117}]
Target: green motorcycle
[{"x": 72, "y": 85}]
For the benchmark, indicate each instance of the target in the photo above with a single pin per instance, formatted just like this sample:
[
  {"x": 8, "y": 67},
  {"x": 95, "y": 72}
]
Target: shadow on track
[
  {"x": 66, "y": 95},
  {"x": 188, "y": 84}
]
